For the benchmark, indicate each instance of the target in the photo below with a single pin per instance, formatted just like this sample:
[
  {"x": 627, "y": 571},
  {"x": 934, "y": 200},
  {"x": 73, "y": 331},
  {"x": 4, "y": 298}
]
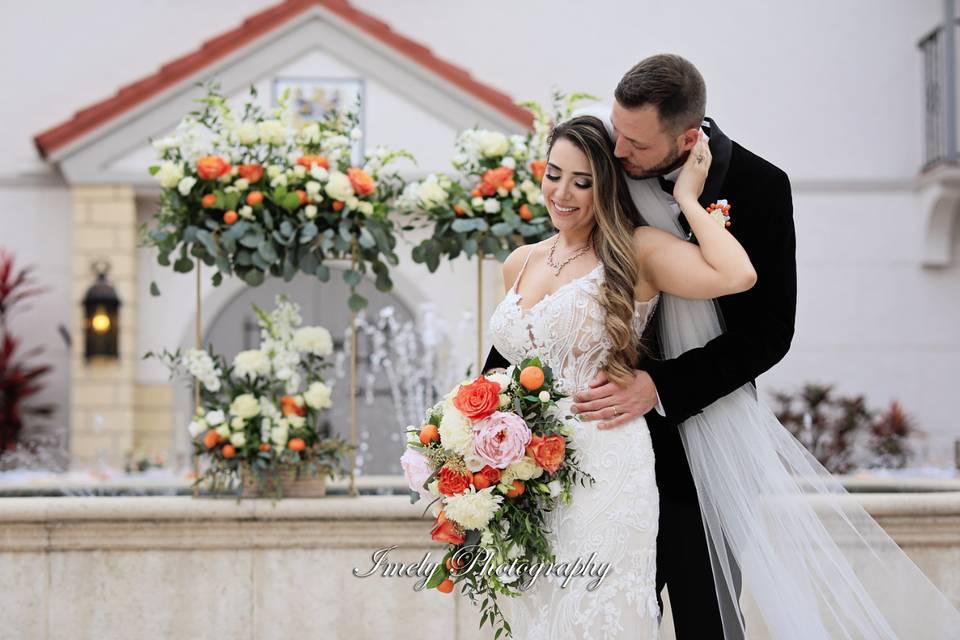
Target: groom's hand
[{"x": 632, "y": 401}]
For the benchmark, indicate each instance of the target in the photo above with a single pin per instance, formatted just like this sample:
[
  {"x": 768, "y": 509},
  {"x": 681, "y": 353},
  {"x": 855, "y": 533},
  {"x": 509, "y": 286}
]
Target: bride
[
  {"x": 580, "y": 300},
  {"x": 815, "y": 564}
]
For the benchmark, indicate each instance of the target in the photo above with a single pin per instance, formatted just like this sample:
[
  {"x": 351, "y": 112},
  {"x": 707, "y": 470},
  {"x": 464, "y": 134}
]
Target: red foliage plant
[{"x": 19, "y": 381}]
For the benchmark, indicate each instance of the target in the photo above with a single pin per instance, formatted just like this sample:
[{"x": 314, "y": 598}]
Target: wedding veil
[{"x": 812, "y": 560}]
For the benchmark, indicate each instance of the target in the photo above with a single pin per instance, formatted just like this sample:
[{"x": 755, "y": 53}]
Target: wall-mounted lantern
[{"x": 101, "y": 308}]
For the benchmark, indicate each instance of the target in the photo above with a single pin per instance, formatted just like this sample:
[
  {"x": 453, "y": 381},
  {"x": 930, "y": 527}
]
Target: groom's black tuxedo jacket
[{"x": 758, "y": 324}]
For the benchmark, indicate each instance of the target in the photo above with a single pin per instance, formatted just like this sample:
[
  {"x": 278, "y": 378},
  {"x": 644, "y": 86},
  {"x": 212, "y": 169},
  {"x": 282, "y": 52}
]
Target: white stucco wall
[{"x": 830, "y": 92}]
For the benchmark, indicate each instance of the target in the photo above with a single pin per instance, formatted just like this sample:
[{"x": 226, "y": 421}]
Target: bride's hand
[{"x": 693, "y": 175}]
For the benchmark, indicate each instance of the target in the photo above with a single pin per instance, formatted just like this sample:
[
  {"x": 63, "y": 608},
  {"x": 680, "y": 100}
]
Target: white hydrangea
[
  {"x": 244, "y": 406},
  {"x": 315, "y": 340},
  {"x": 473, "y": 509},
  {"x": 251, "y": 363}
]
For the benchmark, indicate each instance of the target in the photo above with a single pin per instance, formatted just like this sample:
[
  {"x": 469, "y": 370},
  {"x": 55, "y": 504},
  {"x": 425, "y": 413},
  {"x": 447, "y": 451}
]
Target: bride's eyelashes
[{"x": 585, "y": 184}]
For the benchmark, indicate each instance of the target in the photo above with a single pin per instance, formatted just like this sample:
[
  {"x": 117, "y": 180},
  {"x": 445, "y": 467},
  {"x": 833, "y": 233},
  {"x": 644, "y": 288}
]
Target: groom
[{"x": 659, "y": 108}]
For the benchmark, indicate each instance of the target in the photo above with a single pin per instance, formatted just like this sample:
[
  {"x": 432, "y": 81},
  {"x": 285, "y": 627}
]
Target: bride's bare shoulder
[{"x": 511, "y": 266}]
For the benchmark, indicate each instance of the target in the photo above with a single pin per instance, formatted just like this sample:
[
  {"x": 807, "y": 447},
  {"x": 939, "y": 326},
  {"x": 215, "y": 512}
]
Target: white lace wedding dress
[{"x": 615, "y": 518}]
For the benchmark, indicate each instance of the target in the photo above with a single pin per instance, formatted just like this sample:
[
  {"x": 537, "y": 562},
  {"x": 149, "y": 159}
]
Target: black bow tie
[{"x": 666, "y": 185}]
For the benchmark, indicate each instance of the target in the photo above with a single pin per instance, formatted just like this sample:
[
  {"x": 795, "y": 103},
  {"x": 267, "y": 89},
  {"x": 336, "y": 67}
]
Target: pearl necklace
[{"x": 552, "y": 263}]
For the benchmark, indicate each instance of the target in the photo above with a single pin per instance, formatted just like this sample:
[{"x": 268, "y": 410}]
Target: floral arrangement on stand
[
  {"x": 495, "y": 458},
  {"x": 493, "y": 202},
  {"x": 247, "y": 192},
  {"x": 259, "y": 415}
]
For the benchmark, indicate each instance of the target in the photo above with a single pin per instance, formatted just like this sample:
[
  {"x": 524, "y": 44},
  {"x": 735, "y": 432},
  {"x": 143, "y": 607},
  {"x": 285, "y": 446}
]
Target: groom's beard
[{"x": 674, "y": 161}]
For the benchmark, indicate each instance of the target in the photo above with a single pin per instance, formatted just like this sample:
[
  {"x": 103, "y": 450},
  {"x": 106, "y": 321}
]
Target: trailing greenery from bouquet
[
  {"x": 492, "y": 203},
  {"x": 249, "y": 194},
  {"x": 262, "y": 413},
  {"x": 494, "y": 458}
]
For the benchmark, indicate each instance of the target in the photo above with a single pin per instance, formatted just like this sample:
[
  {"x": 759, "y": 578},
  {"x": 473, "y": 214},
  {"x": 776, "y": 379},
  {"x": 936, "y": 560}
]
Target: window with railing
[{"x": 938, "y": 50}]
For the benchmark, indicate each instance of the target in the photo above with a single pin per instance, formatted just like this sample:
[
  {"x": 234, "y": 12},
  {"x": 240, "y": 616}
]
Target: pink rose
[
  {"x": 501, "y": 438},
  {"x": 416, "y": 467}
]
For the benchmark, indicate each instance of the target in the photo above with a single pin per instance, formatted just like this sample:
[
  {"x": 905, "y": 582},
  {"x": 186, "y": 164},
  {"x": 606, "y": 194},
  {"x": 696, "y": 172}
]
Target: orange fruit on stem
[
  {"x": 230, "y": 216},
  {"x": 254, "y": 198},
  {"x": 211, "y": 439},
  {"x": 531, "y": 377},
  {"x": 228, "y": 451},
  {"x": 446, "y": 586},
  {"x": 429, "y": 433},
  {"x": 208, "y": 200},
  {"x": 518, "y": 489},
  {"x": 302, "y": 195},
  {"x": 264, "y": 446},
  {"x": 296, "y": 444},
  {"x": 525, "y": 213},
  {"x": 480, "y": 481},
  {"x": 338, "y": 205}
]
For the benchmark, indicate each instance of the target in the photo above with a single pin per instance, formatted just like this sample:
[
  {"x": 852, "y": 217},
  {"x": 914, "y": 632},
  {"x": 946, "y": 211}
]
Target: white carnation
[
  {"x": 247, "y": 133},
  {"x": 185, "y": 185},
  {"x": 473, "y": 509},
  {"x": 366, "y": 208},
  {"x": 315, "y": 340},
  {"x": 251, "y": 364},
  {"x": 491, "y": 205},
  {"x": 500, "y": 378}
]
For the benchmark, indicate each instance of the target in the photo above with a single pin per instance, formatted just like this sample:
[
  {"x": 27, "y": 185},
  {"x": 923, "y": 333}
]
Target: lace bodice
[{"x": 565, "y": 328}]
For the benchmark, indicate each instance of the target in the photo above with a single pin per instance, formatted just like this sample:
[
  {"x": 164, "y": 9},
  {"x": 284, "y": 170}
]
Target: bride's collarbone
[{"x": 541, "y": 281}]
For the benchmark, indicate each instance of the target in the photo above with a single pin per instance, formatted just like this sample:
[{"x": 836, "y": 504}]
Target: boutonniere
[{"x": 720, "y": 212}]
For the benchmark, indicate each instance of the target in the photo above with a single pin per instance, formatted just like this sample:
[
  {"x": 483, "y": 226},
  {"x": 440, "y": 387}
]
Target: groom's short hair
[{"x": 671, "y": 84}]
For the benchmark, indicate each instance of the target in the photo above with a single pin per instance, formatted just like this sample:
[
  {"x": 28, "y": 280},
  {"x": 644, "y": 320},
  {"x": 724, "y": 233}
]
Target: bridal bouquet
[
  {"x": 495, "y": 457},
  {"x": 493, "y": 202},
  {"x": 260, "y": 415},
  {"x": 249, "y": 192}
]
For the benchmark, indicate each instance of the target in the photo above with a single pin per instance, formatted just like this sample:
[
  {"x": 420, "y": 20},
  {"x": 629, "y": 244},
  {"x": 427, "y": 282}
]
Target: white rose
[
  {"x": 431, "y": 194},
  {"x": 525, "y": 469},
  {"x": 492, "y": 143},
  {"x": 503, "y": 193},
  {"x": 317, "y": 396},
  {"x": 247, "y": 133},
  {"x": 223, "y": 431},
  {"x": 196, "y": 427},
  {"x": 473, "y": 509},
  {"x": 251, "y": 364},
  {"x": 245, "y": 406},
  {"x": 508, "y": 162},
  {"x": 313, "y": 188},
  {"x": 366, "y": 208},
  {"x": 271, "y": 131},
  {"x": 491, "y": 205},
  {"x": 310, "y": 211},
  {"x": 544, "y": 396},
  {"x": 185, "y": 185},
  {"x": 315, "y": 340},
  {"x": 169, "y": 175},
  {"x": 339, "y": 187},
  {"x": 237, "y": 423},
  {"x": 215, "y": 417},
  {"x": 556, "y": 488},
  {"x": 242, "y": 184},
  {"x": 455, "y": 431},
  {"x": 238, "y": 439},
  {"x": 319, "y": 173}
]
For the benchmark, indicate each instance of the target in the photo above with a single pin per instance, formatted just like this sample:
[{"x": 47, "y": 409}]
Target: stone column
[{"x": 102, "y": 393}]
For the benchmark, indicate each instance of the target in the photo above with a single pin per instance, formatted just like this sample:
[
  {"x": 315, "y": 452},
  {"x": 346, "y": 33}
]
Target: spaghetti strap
[{"x": 524, "y": 266}]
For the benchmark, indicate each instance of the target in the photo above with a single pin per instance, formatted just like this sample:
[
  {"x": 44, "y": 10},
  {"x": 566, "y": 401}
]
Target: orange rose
[
  {"x": 250, "y": 172},
  {"x": 308, "y": 162},
  {"x": 538, "y": 168},
  {"x": 494, "y": 179},
  {"x": 478, "y": 399},
  {"x": 289, "y": 407},
  {"x": 452, "y": 482},
  {"x": 446, "y": 530},
  {"x": 491, "y": 473},
  {"x": 363, "y": 184},
  {"x": 212, "y": 167},
  {"x": 548, "y": 452}
]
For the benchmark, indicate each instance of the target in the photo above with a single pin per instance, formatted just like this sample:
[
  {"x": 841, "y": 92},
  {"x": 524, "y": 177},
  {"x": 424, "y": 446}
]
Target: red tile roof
[{"x": 253, "y": 28}]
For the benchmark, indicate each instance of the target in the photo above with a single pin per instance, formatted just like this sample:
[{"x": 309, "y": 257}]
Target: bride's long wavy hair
[{"x": 615, "y": 217}]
